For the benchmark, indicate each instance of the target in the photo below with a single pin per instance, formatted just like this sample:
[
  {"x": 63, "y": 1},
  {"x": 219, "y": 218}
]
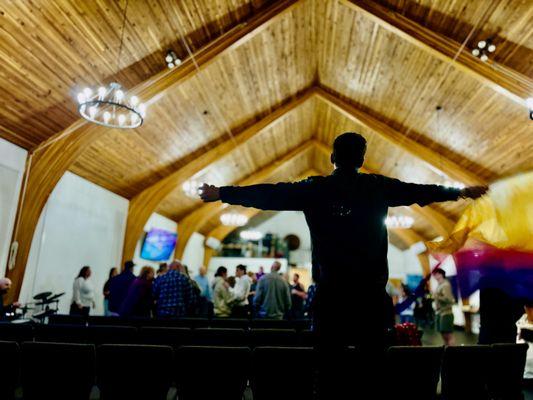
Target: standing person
[
  {"x": 119, "y": 286},
  {"x": 203, "y": 283},
  {"x": 162, "y": 270},
  {"x": 407, "y": 314},
  {"x": 242, "y": 289},
  {"x": 139, "y": 301},
  {"x": 260, "y": 273},
  {"x": 525, "y": 335},
  {"x": 174, "y": 294},
  {"x": 345, "y": 213},
  {"x": 82, "y": 293},
  {"x": 311, "y": 292},
  {"x": 444, "y": 300},
  {"x": 5, "y": 285},
  {"x": 112, "y": 273},
  {"x": 222, "y": 297},
  {"x": 298, "y": 297},
  {"x": 272, "y": 297}
]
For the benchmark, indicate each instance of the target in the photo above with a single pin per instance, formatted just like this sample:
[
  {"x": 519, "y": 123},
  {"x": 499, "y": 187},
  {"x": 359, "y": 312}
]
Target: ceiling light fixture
[
  {"x": 191, "y": 188},
  {"x": 399, "y": 222},
  {"x": 233, "y": 219},
  {"x": 483, "y": 49},
  {"x": 172, "y": 59},
  {"x": 251, "y": 235},
  {"x": 109, "y": 105}
]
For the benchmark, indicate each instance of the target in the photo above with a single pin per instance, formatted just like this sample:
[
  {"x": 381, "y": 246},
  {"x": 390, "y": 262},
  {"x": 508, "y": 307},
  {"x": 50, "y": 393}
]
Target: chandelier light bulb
[
  {"x": 484, "y": 58},
  {"x": 134, "y": 119},
  {"x": 170, "y": 65},
  {"x": 87, "y": 92},
  {"x": 134, "y": 100},
  {"x": 481, "y": 44},
  {"x": 121, "y": 119},
  {"x": 81, "y": 97},
  {"x": 475, "y": 52},
  {"x": 101, "y": 92},
  {"x": 119, "y": 95},
  {"x": 491, "y": 48},
  {"x": 142, "y": 109},
  {"x": 107, "y": 116},
  {"x": 251, "y": 235},
  {"x": 177, "y": 62},
  {"x": 529, "y": 103},
  {"x": 92, "y": 111}
]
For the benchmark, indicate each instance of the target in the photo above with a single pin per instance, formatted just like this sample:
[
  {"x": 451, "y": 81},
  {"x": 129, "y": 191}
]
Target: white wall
[
  {"x": 82, "y": 224},
  {"x": 155, "y": 221},
  {"x": 193, "y": 254},
  {"x": 12, "y": 164}
]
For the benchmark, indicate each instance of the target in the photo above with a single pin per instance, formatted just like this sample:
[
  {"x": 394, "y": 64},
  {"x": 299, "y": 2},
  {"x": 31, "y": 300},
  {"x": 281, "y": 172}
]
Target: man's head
[
  {"x": 296, "y": 278},
  {"x": 5, "y": 285},
  {"x": 439, "y": 274},
  {"x": 240, "y": 270},
  {"x": 276, "y": 266},
  {"x": 175, "y": 266},
  {"x": 129, "y": 265},
  {"x": 202, "y": 271},
  {"x": 349, "y": 151}
]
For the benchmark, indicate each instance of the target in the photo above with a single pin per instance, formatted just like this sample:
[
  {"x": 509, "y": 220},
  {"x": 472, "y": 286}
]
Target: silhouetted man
[{"x": 345, "y": 212}]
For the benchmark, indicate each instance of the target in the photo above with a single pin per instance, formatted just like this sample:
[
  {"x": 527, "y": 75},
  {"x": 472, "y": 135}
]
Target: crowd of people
[{"x": 171, "y": 292}]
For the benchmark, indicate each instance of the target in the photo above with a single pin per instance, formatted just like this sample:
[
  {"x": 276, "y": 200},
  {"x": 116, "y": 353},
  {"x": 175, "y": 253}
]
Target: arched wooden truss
[{"x": 52, "y": 158}]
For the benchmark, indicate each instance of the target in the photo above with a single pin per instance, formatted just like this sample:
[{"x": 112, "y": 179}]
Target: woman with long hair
[
  {"x": 82, "y": 293},
  {"x": 112, "y": 273},
  {"x": 139, "y": 301}
]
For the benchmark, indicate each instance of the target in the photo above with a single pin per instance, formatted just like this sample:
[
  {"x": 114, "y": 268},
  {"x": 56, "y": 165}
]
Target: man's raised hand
[
  {"x": 209, "y": 193},
  {"x": 473, "y": 192}
]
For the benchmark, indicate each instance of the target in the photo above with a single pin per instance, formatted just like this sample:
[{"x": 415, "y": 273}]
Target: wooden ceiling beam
[
  {"x": 438, "y": 221},
  {"x": 432, "y": 158},
  {"x": 199, "y": 217},
  {"x": 222, "y": 231},
  {"x": 498, "y": 77},
  {"x": 52, "y": 158},
  {"x": 146, "y": 202}
]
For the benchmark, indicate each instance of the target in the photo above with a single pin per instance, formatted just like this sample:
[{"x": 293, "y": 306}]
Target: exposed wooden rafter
[
  {"x": 53, "y": 157},
  {"x": 198, "y": 218},
  {"x": 500, "y": 78},
  {"x": 146, "y": 202}
]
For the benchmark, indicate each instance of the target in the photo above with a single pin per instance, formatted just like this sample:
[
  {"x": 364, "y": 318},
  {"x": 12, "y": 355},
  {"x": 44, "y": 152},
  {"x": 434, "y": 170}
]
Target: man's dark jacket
[
  {"x": 118, "y": 289},
  {"x": 346, "y": 214}
]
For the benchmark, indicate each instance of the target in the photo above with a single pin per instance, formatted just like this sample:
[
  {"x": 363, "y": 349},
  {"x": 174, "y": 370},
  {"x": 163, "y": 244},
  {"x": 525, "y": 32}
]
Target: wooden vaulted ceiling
[{"x": 328, "y": 65}]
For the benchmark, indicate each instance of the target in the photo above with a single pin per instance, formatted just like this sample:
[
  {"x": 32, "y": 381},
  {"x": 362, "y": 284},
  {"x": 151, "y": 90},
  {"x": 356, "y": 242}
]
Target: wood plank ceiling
[{"x": 51, "y": 49}]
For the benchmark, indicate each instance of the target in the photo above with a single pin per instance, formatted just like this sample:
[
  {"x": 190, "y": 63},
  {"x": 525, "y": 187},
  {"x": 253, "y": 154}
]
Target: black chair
[
  {"x": 227, "y": 382},
  {"x": 116, "y": 363},
  {"x": 102, "y": 334},
  {"x": 218, "y": 337},
  {"x": 67, "y": 319},
  {"x": 61, "y": 333},
  {"x": 300, "y": 384},
  {"x": 464, "y": 372},
  {"x": 405, "y": 362},
  {"x": 506, "y": 369},
  {"x": 273, "y": 337},
  {"x": 179, "y": 322},
  {"x": 16, "y": 332},
  {"x": 174, "y": 337},
  {"x": 58, "y": 371},
  {"x": 271, "y": 324},
  {"x": 306, "y": 338},
  {"x": 9, "y": 369},
  {"x": 103, "y": 320},
  {"x": 301, "y": 324},
  {"x": 231, "y": 323}
]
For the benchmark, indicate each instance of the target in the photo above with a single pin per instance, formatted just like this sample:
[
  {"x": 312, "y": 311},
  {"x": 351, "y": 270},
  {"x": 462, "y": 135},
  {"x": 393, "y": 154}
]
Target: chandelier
[
  {"x": 251, "y": 235},
  {"x": 190, "y": 188},
  {"x": 484, "y": 47},
  {"x": 109, "y": 106},
  {"x": 399, "y": 222},
  {"x": 233, "y": 219}
]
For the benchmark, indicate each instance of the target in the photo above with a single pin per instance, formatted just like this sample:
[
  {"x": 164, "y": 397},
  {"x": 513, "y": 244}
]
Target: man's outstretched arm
[
  {"x": 398, "y": 193},
  {"x": 279, "y": 196}
]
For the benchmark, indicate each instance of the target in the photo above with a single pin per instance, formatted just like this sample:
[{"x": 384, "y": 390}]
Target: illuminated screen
[{"x": 158, "y": 245}]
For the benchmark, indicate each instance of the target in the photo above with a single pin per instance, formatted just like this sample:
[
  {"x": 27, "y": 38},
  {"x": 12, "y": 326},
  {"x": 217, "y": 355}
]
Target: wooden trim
[
  {"x": 198, "y": 218},
  {"x": 222, "y": 231},
  {"x": 440, "y": 222},
  {"x": 54, "y": 156},
  {"x": 433, "y": 159},
  {"x": 498, "y": 77},
  {"x": 145, "y": 203}
]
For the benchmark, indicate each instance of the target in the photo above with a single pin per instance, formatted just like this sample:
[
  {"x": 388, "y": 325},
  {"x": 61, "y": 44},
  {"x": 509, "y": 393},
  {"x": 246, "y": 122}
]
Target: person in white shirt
[
  {"x": 525, "y": 335},
  {"x": 241, "y": 309},
  {"x": 82, "y": 293}
]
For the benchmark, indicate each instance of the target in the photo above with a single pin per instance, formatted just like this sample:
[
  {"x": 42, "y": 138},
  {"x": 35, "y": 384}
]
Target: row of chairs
[
  {"x": 69, "y": 371},
  {"x": 236, "y": 323},
  {"x": 175, "y": 337}
]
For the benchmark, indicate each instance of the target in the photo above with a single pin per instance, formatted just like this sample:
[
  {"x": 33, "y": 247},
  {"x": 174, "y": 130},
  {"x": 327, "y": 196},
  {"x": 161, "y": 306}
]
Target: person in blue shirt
[
  {"x": 174, "y": 294},
  {"x": 203, "y": 283},
  {"x": 119, "y": 286}
]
